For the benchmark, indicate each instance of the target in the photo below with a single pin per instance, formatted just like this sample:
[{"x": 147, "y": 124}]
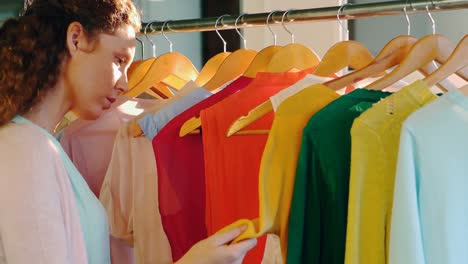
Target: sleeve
[
  {"x": 151, "y": 243},
  {"x": 296, "y": 226},
  {"x": 116, "y": 191},
  {"x": 32, "y": 215},
  {"x": 312, "y": 241},
  {"x": 366, "y": 227},
  {"x": 406, "y": 244},
  {"x": 129, "y": 195}
]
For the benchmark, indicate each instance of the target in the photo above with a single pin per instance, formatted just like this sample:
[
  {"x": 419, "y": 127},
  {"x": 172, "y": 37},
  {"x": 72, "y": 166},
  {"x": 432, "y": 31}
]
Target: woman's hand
[{"x": 215, "y": 249}]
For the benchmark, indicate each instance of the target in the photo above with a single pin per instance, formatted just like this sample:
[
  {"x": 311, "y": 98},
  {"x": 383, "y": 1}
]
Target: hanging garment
[
  {"x": 181, "y": 176},
  {"x": 152, "y": 124},
  {"x": 130, "y": 196},
  {"x": 429, "y": 202},
  {"x": 232, "y": 164},
  {"x": 317, "y": 223},
  {"x": 375, "y": 138},
  {"x": 43, "y": 198},
  {"x": 121, "y": 252},
  {"x": 129, "y": 215},
  {"x": 89, "y": 143},
  {"x": 146, "y": 124},
  {"x": 279, "y": 160}
]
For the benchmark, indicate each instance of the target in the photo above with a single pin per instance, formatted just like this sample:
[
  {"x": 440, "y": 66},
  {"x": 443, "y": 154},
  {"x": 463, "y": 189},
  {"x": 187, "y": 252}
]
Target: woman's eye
[{"x": 120, "y": 61}]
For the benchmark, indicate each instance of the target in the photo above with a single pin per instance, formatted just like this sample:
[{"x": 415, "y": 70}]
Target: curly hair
[{"x": 33, "y": 46}]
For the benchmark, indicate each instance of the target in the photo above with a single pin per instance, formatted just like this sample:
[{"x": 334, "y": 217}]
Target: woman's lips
[
  {"x": 108, "y": 105},
  {"x": 111, "y": 99}
]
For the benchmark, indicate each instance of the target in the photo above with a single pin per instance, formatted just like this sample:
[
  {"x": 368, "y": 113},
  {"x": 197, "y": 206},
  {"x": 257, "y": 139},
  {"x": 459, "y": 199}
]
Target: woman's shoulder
[
  {"x": 22, "y": 135},
  {"x": 25, "y": 144}
]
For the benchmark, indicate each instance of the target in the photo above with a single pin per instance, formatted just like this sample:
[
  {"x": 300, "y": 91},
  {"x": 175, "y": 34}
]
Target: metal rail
[{"x": 307, "y": 15}]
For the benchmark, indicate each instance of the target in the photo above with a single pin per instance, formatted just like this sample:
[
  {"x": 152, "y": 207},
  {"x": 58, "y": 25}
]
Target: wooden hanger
[
  {"x": 253, "y": 115},
  {"x": 214, "y": 63},
  {"x": 264, "y": 56},
  {"x": 135, "y": 64},
  {"x": 138, "y": 74},
  {"x": 66, "y": 120},
  {"x": 348, "y": 53},
  {"x": 343, "y": 54},
  {"x": 457, "y": 60},
  {"x": 232, "y": 67},
  {"x": 344, "y": 51},
  {"x": 258, "y": 64},
  {"x": 193, "y": 125},
  {"x": 391, "y": 54},
  {"x": 260, "y": 61},
  {"x": 171, "y": 69},
  {"x": 138, "y": 70},
  {"x": 423, "y": 52},
  {"x": 292, "y": 56},
  {"x": 210, "y": 68}
]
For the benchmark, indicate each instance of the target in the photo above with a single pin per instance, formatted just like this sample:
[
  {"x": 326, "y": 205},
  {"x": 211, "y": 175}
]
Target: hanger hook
[
  {"x": 142, "y": 44},
  {"x": 431, "y": 18},
  {"x": 285, "y": 14},
  {"x": 341, "y": 12},
  {"x": 146, "y": 35},
  {"x": 275, "y": 37},
  {"x": 164, "y": 35},
  {"x": 408, "y": 21},
  {"x": 217, "y": 32},
  {"x": 238, "y": 31}
]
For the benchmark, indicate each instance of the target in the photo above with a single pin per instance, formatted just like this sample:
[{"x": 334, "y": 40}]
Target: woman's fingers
[
  {"x": 243, "y": 246},
  {"x": 228, "y": 236}
]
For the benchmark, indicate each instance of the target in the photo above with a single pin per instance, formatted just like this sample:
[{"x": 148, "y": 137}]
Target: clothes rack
[{"x": 306, "y": 15}]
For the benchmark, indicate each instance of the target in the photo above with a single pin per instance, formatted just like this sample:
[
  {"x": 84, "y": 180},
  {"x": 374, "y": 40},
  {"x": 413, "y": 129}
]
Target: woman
[{"x": 65, "y": 56}]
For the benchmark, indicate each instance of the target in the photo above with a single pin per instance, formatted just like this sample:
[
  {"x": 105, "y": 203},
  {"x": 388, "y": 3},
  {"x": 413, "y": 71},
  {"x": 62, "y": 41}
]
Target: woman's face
[{"x": 96, "y": 72}]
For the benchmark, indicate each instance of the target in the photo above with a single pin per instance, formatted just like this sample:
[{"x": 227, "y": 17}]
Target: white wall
[
  {"x": 189, "y": 44},
  {"x": 319, "y": 36}
]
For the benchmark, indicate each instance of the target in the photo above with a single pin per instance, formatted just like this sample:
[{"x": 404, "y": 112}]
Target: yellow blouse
[{"x": 375, "y": 138}]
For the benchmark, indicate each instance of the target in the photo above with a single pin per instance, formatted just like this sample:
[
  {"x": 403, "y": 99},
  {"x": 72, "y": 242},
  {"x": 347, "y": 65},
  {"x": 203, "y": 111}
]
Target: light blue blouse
[
  {"x": 152, "y": 124},
  {"x": 93, "y": 217},
  {"x": 430, "y": 207}
]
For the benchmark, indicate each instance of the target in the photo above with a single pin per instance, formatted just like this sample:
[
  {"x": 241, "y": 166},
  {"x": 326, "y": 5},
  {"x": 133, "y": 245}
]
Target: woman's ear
[{"x": 76, "y": 38}]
